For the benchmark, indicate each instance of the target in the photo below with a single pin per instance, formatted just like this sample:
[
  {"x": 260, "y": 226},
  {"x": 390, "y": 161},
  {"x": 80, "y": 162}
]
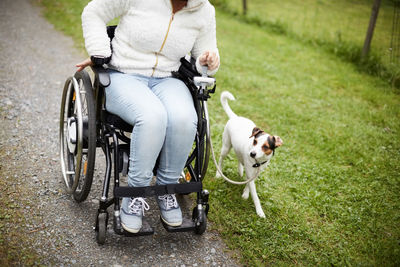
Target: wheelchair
[{"x": 86, "y": 125}]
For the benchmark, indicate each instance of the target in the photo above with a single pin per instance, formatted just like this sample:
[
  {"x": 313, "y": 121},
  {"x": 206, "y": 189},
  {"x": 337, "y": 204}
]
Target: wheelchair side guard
[
  {"x": 188, "y": 74},
  {"x": 102, "y": 75}
]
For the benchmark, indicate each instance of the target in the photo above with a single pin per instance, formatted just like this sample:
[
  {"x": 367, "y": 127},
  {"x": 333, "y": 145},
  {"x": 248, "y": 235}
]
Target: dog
[{"x": 254, "y": 148}]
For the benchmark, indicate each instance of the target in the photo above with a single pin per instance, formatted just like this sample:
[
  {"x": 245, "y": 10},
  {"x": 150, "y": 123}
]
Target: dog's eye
[
  {"x": 265, "y": 147},
  {"x": 255, "y": 142}
]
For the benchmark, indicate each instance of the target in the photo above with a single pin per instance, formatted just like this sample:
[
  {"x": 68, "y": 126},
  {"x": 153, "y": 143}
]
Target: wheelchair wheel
[
  {"x": 101, "y": 227},
  {"x": 200, "y": 221},
  {"x": 78, "y": 135}
]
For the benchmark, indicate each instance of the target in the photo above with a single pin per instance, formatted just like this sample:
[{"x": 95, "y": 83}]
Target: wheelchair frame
[{"x": 85, "y": 125}]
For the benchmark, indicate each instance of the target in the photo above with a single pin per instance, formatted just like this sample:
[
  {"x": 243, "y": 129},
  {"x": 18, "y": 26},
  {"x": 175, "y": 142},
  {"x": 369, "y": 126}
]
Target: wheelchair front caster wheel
[
  {"x": 101, "y": 227},
  {"x": 200, "y": 221}
]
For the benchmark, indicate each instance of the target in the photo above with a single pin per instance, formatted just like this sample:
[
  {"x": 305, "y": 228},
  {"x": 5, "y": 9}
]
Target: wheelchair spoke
[
  {"x": 83, "y": 98},
  {"x": 83, "y": 173},
  {"x": 84, "y": 105}
]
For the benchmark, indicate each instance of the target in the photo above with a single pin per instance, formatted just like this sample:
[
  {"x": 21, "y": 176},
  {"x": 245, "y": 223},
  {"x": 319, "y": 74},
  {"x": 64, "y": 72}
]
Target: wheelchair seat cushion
[{"x": 117, "y": 122}]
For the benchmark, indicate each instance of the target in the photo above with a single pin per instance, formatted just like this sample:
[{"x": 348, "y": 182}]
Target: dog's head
[{"x": 264, "y": 145}]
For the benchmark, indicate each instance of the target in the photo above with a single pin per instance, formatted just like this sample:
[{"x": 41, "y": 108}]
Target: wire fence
[
  {"x": 340, "y": 21},
  {"x": 395, "y": 40}
]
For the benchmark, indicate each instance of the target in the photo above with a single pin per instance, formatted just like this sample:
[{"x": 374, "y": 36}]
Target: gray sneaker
[
  {"x": 132, "y": 211},
  {"x": 171, "y": 213}
]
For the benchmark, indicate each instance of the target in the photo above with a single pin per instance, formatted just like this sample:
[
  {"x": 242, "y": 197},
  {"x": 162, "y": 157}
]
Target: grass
[
  {"x": 65, "y": 16},
  {"x": 338, "y": 26},
  {"x": 331, "y": 192},
  {"x": 15, "y": 241},
  {"x": 322, "y": 19}
]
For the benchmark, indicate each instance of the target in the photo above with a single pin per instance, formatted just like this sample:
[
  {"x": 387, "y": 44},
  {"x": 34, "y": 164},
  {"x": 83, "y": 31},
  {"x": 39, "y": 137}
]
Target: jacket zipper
[
  {"x": 163, "y": 43},
  {"x": 166, "y": 36}
]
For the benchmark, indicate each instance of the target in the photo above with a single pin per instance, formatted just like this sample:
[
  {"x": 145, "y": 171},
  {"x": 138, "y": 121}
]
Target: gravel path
[{"x": 35, "y": 61}]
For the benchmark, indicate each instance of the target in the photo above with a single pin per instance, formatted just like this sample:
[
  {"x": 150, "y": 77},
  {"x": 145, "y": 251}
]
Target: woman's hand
[
  {"x": 210, "y": 59},
  {"x": 84, "y": 64}
]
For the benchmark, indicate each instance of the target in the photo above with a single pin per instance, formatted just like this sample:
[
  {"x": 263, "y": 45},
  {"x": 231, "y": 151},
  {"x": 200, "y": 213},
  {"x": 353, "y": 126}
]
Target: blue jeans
[{"x": 164, "y": 119}]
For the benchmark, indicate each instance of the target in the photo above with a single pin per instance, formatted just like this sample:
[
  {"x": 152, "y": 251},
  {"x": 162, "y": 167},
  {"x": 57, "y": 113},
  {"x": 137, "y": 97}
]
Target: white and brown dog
[{"x": 253, "y": 147}]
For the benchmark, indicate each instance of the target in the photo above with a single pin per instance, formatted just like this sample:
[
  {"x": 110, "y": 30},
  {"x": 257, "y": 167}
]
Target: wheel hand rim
[{"x": 71, "y": 83}]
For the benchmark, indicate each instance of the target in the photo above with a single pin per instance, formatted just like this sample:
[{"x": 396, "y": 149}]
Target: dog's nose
[{"x": 253, "y": 154}]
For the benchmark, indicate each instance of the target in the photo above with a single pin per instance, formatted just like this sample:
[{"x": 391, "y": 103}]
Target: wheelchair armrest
[
  {"x": 99, "y": 71},
  {"x": 188, "y": 73},
  {"x": 101, "y": 75}
]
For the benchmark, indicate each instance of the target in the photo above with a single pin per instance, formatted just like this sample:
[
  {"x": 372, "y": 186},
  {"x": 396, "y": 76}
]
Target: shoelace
[
  {"x": 138, "y": 204},
  {"x": 169, "y": 200}
]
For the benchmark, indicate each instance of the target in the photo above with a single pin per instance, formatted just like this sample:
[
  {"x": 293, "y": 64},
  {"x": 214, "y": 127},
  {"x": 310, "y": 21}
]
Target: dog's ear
[
  {"x": 278, "y": 141},
  {"x": 255, "y": 132}
]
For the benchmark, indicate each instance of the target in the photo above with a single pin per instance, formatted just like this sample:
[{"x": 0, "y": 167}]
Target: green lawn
[
  {"x": 326, "y": 20},
  {"x": 331, "y": 193}
]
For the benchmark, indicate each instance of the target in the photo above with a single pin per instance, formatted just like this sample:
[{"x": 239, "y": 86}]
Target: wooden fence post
[
  {"x": 244, "y": 7},
  {"x": 371, "y": 27}
]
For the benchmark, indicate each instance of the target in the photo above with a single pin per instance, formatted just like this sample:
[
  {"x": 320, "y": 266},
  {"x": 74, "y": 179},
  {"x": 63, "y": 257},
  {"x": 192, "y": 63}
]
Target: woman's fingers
[
  {"x": 203, "y": 58},
  {"x": 84, "y": 64},
  {"x": 210, "y": 59},
  {"x": 80, "y": 67}
]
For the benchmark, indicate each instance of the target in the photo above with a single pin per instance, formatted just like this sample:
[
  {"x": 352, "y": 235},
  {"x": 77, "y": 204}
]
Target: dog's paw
[
  {"x": 245, "y": 194},
  {"x": 261, "y": 214}
]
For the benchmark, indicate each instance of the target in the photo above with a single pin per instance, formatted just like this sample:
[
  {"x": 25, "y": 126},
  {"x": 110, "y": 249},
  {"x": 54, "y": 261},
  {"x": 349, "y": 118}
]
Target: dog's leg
[
  {"x": 226, "y": 147},
  {"x": 246, "y": 192},
  {"x": 256, "y": 200},
  {"x": 240, "y": 169},
  {"x": 224, "y": 153}
]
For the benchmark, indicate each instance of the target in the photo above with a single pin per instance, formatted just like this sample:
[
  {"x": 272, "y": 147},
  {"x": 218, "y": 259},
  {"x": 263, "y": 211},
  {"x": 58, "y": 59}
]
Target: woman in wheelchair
[{"x": 149, "y": 41}]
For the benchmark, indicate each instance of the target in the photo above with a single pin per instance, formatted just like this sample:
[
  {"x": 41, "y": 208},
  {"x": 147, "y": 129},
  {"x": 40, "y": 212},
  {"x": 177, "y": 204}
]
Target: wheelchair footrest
[
  {"x": 146, "y": 229},
  {"x": 186, "y": 226}
]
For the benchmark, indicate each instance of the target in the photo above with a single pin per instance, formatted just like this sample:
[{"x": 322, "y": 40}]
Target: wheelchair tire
[
  {"x": 89, "y": 135},
  {"x": 78, "y": 135},
  {"x": 101, "y": 227},
  {"x": 200, "y": 221}
]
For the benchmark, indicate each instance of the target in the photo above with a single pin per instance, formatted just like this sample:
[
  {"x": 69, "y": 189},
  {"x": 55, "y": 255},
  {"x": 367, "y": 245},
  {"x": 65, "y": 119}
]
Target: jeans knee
[
  {"x": 154, "y": 120},
  {"x": 183, "y": 121}
]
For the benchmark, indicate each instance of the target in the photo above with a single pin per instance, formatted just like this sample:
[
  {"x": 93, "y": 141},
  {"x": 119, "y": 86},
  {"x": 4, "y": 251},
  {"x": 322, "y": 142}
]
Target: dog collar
[{"x": 257, "y": 164}]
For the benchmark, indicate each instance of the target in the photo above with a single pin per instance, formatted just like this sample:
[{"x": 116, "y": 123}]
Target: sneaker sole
[
  {"x": 130, "y": 230},
  {"x": 171, "y": 224}
]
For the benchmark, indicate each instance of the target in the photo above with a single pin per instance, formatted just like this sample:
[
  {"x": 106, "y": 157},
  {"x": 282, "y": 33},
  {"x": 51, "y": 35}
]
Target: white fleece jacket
[{"x": 149, "y": 39}]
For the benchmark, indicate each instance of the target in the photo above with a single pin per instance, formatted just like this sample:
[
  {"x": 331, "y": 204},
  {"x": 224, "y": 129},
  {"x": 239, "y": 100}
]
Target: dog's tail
[{"x": 225, "y": 95}]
